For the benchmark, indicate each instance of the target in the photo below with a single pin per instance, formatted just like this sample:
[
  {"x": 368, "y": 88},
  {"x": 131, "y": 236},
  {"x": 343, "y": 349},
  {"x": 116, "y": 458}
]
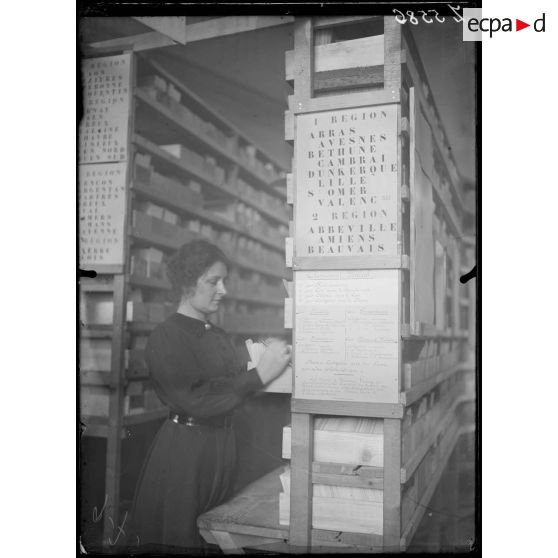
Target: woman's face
[{"x": 210, "y": 289}]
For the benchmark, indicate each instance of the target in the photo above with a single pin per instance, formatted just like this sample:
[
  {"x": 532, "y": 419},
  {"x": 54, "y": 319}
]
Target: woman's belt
[{"x": 222, "y": 421}]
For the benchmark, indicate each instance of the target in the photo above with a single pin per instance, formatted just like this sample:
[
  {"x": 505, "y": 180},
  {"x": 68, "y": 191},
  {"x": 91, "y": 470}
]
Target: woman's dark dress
[{"x": 196, "y": 372}]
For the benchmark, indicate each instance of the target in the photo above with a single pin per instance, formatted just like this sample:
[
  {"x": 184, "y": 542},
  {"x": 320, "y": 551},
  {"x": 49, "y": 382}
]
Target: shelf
[
  {"x": 94, "y": 378},
  {"x": 265, "y": 210},
  {"x": 96, "y": 331},
  {"x": 163, "y": 284},
  {"x": 148, "y": 239},
  {"x": 413, "y": 462},
  {"x": 427, "y": 331},
  {"x": 179, "y": 127},
  {"x": 210, "y": 112},
  {"x": 152, "y": 193},
  {"x": 171, "y": 164},
  {"x": 90, "y": 286},
  {"x": 415, "y": 393}
]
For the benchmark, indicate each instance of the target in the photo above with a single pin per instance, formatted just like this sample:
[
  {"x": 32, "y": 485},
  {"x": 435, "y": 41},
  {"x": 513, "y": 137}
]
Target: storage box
[
  {"x": 156, "y": 81},
  {"x": 97, "y": 309},
  {"x": 94, "y": 401},
  {"x": 337, "y": 514},
  {"x": 344, "y": 447},
  {"x": 95, "y": 354},
  {"x": 174, "y": 93}
]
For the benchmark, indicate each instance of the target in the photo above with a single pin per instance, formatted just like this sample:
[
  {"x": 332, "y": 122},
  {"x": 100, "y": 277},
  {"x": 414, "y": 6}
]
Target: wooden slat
[
  {"x": 94, "y": 378},
  {"x": 350, "y": 262},
  {"x": 231, "y": 25},
  {"x": 347, "y": 480},
  {"x": 392, "y": 485},
  {"x": 142, "y": 41},
  {"x": 346, "y": 101},
  {"x": 414, "y": 394},
  {"x": 336, "y": 80},
  {"x": 363, "y": 52},
  {"x": 347, "y": 408},
  {"x": 173, "y": 27},
  {"x": 301, "y": 482},
  {"x": 344, "y": 469},
  {"x": 321, "y": 22}
]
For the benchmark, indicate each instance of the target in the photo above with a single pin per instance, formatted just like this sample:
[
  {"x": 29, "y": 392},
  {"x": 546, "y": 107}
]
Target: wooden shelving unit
[
  {"x": 420, "y": 422},
  {"x": 116, "y": 398}
]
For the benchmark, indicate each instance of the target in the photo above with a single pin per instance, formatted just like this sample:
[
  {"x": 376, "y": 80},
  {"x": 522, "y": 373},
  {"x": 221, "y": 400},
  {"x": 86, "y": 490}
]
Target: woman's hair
[{"x": 190, "y": 262}]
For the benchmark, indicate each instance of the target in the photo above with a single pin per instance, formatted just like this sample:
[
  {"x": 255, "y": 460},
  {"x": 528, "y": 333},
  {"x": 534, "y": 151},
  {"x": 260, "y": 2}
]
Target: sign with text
[
  {"x": 102, "y": 207},
  {"x": 346, "y": 182},
  {"x": 347, "y": 334},
  {"x": 103, "y": 132}
]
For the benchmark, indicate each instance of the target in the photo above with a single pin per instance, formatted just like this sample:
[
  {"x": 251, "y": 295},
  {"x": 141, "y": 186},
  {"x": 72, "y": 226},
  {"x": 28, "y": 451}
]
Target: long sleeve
[{"x": 182, "y": 382}]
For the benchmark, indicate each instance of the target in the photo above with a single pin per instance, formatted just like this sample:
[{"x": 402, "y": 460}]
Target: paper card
[
  {"x": 347, "y": 333},
  {"x": 103, "y": 132},
  {"x": 346, "y": 182},
  {"x": 102, "y": 206}
]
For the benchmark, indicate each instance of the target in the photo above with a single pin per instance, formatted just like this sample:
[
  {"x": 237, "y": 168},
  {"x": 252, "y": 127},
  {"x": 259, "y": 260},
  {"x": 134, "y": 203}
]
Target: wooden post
[
  {"x": 117, "y": 373},
  {"x": 113, "y": 457},
  {"x": 412, "y": 194},
  {"x": 300, "y": 529},
  {"x": 392, "y": 53},
  {"x": 303, "y": 58},
  {"x": 392, "y": 485}
]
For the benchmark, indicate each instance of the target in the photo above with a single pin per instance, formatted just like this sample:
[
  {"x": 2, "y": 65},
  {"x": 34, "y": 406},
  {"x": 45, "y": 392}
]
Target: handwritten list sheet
[{"x": 346, "y": 335}]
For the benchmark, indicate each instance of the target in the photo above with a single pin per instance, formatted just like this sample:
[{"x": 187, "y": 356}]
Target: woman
[{"x": 197, "y": 373}]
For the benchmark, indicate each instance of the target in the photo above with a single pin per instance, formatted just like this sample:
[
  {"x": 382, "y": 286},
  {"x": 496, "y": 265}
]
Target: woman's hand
[{"x": 273, "y": 361}]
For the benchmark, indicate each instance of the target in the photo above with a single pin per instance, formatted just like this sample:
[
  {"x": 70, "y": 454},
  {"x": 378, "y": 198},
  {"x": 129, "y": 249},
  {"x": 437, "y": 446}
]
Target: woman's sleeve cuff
[{"x": 248, "y": 382}]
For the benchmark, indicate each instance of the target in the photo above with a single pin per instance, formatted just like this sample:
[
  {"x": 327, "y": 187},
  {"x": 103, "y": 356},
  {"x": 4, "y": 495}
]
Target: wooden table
[{"x": 251, "y": 520}]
